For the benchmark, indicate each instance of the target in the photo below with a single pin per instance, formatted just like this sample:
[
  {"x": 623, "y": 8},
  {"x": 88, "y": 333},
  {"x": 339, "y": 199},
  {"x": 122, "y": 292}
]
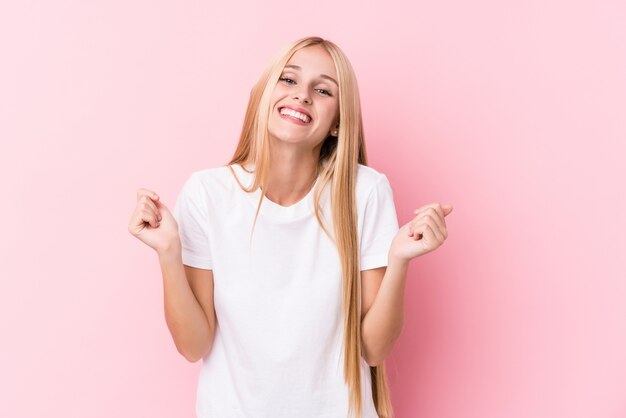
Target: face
[{"x": 305, "y": 101}]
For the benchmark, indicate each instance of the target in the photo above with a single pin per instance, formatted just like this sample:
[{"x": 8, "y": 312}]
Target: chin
[
  {"x": 285, "y": 135},
  {"x": 290, "y": 139}
]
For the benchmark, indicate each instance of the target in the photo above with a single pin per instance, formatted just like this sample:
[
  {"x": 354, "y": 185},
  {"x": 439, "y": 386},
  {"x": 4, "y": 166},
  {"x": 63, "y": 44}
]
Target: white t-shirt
[{"x": 278, "y": 348}]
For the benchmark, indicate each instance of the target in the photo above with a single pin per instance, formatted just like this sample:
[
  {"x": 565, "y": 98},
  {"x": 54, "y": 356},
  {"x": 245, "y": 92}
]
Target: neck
[{"x": 292, "y": 174}]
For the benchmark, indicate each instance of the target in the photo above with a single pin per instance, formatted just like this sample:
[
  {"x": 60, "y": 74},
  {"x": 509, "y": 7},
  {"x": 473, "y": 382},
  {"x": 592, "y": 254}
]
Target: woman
[{"x": 285, "y": 269}]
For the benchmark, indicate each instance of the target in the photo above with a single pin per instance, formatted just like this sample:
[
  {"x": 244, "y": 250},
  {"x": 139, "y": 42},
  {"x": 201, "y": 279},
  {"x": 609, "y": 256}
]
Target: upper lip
[{"x": 297, "y": 109}]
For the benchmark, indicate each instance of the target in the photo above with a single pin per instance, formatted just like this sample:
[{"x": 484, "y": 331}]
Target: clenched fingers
[{"x": 433, "y": 215}]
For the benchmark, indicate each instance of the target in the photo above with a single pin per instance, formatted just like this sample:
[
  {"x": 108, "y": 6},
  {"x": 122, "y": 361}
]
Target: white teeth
[{"x": 304, "y": 118}]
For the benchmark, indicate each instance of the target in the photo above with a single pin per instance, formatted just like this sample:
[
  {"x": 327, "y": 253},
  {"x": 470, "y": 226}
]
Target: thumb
[{"x": 447, "y": 208}]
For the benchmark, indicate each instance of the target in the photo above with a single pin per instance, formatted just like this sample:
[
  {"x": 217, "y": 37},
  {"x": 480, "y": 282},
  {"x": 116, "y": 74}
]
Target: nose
[{"x": 302, "y": 95}]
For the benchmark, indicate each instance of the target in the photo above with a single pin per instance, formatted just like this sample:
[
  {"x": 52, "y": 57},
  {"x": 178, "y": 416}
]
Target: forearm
[
  {"x": 184, "y": 315},
  {"x": 383, "y": 322}
]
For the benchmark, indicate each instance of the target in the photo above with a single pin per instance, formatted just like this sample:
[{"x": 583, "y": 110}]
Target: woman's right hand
[{"x": 152, "y": 222}]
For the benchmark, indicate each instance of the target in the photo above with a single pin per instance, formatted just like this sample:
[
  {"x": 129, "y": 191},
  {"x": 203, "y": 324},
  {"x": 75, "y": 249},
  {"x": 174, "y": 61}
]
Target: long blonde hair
[{"x": 338, "y": 163}]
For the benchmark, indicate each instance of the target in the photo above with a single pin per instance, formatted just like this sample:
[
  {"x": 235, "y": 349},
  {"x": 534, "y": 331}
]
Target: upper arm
[
  {"x": 370, "y": 283},
  {"x": 201, "y": 283},
  {"x": 379, "y": 226}
]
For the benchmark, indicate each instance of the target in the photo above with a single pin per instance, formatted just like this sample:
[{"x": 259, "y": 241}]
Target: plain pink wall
[{"x": 514, "y": 112}]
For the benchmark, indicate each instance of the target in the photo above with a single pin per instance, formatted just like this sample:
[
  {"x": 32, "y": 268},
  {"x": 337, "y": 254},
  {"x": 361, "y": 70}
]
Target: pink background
[{"x": 514, "y": 112}]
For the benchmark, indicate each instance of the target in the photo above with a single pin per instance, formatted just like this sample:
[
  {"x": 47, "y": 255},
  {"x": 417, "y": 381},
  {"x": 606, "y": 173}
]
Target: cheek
[
  {"x": 277, "y": 94},
  {"x": 332, "y": 113}
]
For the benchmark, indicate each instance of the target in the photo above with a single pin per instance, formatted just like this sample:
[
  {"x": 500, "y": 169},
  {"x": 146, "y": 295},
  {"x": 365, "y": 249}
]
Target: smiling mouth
[{"x": 285, "y": 111}]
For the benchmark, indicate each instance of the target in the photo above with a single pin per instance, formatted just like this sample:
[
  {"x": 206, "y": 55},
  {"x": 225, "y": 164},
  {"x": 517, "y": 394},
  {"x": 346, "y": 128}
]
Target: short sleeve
[
  {"x": 191, "y": 214},
  {"x": 380, "y": 225}
]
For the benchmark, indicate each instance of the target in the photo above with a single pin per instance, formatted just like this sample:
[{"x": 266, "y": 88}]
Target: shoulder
[
  {"x": 368, "y": 179},
  {"x": 206, "y": 183},
  {"x": 372, "y": 188},
  {"x": 365, "y": 173},
  {"x": 219, "y": 186},
  {"x": 214, "y": 176}
]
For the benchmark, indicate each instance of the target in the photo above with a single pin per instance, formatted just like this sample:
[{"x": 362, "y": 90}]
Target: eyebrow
[{"x": 297, "y": 67}]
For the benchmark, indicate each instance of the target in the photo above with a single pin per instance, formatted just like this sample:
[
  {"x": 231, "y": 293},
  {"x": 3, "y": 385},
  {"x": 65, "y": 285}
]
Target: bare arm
[
  {"x": 383, "y": 288},
  {"x": 382, "y": 310},
  {"x": 188, "y": 305},
  {"x": 187, "y": 291}
]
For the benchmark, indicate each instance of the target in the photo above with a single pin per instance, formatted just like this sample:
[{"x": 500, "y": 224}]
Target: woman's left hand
[{"x": 425, "y": 233}]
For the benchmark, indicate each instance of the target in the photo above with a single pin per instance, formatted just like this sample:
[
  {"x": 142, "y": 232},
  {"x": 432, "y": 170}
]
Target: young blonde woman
[{"x": 284, "y": 270}]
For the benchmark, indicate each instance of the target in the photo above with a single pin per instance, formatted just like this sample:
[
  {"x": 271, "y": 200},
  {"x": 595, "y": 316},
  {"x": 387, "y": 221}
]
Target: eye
[
  {"x": 287, "y": 80},
  {"x": 324, "y": 92}
]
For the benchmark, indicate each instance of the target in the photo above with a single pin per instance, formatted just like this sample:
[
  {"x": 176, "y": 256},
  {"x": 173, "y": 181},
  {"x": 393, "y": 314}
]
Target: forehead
[{"x": 314, "y": 59}]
